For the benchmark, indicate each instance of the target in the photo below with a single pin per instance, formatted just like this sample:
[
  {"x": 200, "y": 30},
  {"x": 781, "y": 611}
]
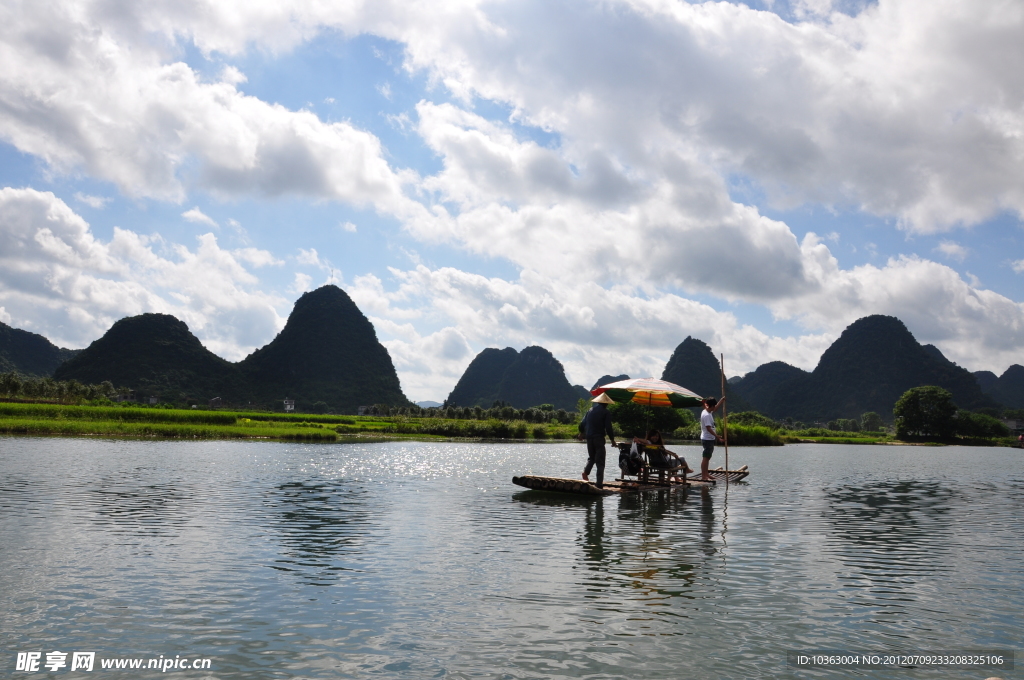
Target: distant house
[
  {"x": 154, "y": 400},
  {"x": 216, "y": 402},
  {"x": 289, "y": 405},
  {"x": 130, "y": 396},
  {"x": 364, "y": 410},
  {"x": 1014, "y": 425}
]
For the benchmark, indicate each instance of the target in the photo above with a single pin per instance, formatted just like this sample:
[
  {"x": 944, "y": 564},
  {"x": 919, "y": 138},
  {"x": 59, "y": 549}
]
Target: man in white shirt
[{"x": 708, "y": 435}]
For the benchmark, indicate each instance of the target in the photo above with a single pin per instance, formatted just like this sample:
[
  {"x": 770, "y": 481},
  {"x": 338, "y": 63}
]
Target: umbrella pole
[{"x": 725, "y": 425}]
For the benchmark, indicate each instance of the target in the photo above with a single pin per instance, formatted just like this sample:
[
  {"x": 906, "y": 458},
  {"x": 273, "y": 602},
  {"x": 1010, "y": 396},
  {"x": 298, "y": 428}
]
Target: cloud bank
[{"x": 623, "y": 185}]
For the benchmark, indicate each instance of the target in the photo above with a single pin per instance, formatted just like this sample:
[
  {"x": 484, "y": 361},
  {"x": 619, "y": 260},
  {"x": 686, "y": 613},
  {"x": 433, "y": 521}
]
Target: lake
[{"x": 422, "y": 560}]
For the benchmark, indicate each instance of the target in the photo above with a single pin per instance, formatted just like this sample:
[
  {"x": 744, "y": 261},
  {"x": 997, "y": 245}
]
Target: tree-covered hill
[
  {"x": 155, "y": 354},
  {"x": 478, "y": 385},
  {"x": 605, "y": 379},
  {"x": 1008, "y": 389},
  {"x": 874, "y": 361},
  {"x": 694, "y": 366},
  {"x": 521, "y": 379},
  {"x": 30, "y": 354},
  {"x": 327, "y": 352},
  {"x": 765, "y": 389}
]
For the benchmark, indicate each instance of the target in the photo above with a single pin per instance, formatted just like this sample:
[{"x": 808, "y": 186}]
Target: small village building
[
  {"x": 216, "y": 402},
  {"x": 289, "y": 405}
]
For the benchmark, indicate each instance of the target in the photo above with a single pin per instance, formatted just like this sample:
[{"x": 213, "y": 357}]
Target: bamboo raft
[
  {"x": 578, "y": 486},
  {"x": 611, "y": 487}
]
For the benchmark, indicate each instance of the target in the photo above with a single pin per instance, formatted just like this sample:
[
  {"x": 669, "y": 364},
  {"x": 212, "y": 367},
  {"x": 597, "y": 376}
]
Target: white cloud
[
  {"x": 88, "y": 90},
  {"x": 257, "y": 257},
  {"x": 310, "y": 257},
  {"x": 977, "y": 328},
  {"x": 232, "y": 75},
  {"x": 302, "y": 283},
  {"x": 592, "y": 330},
  {"x": 912, "y": 110},
  {"x": 520, "y": 201},
  {"x": 96, "y": 202},
  {"x": 1018, "y": 266},
  {"x": 348, "y": 227},
  {"x": 58, "y": 279},
  {"x": 198, "y": 216},
  {"x": 952, "y": 250}
]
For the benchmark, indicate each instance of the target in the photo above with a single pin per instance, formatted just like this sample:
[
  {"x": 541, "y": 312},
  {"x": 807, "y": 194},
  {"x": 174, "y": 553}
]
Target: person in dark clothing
[{"x": 595, "y": 424}]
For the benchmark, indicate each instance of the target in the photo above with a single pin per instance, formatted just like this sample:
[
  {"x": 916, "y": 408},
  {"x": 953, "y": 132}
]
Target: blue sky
[{"x": 602, "y": 179}]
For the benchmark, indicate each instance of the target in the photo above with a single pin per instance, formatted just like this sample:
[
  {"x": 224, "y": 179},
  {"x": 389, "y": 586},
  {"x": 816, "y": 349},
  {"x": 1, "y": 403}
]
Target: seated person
[{"x": 659, "y": 456}]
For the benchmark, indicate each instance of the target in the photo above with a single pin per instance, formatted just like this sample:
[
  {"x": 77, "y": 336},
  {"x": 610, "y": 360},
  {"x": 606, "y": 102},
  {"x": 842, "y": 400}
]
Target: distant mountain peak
[
  {"x": 527, "y": 378},
  {"x": 327, "y": 352},
  {"x": 872, "y": 363},
  {"x": 29, "y": 354},
  {"x": 694, "y": 366},
  {"x": 606, "y": 379}
]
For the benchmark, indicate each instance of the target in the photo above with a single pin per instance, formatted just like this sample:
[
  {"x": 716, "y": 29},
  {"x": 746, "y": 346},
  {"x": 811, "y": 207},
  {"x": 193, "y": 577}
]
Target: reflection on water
[
  {"x": 319, "y": 524},
  {"x": 135, "y": 503},
  {"x": 891, "y": 514},
  {"x": 892, "y": 530},
  {"x": 409, "y": 559}
]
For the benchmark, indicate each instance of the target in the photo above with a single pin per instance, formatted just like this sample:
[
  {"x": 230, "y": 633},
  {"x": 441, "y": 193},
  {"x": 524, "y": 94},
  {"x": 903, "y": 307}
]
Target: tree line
[
  {"x": 543, "y": 413},
  {"x": 62, "y": 391},
  {"x": 929, "y": 413}
]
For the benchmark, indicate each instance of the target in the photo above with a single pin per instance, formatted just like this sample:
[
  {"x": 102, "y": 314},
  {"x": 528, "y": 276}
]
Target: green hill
[
  {"x": 605, "y": 379},
  {"x": 522, "y": 379},
  {"x": 30, "y": 354},
  {"x": 1008, "y": 389},
  {"x": 874, "y": 361},
  {"x": 765, "y": 388},
  {"x": 327, "y": 352},
  {"x": 155, "y": 354},
  {"x": 478, "y": 385},
  {"x": 694, "y": 366}
]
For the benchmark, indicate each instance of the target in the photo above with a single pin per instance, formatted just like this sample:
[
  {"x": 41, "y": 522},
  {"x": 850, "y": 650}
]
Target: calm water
[{"x": 422, "y": 560}]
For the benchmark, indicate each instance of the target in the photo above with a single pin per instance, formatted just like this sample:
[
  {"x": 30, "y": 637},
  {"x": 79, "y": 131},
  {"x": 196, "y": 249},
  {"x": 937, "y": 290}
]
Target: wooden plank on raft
[{"x": 577, "y": 486}]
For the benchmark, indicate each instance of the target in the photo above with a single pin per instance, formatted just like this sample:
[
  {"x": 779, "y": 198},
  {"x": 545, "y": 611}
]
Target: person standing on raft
[
  {"x": 708, "y": 435},
  {"x": 595, "y": 424}
]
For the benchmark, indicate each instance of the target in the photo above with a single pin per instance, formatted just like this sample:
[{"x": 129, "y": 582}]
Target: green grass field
[
  {"x": 56, "y": 419},
  {"x": 131, "y": 421}
]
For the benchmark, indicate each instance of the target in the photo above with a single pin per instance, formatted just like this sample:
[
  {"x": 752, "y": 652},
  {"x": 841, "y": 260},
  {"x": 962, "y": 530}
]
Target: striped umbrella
[{"x": 649, "y": 392}]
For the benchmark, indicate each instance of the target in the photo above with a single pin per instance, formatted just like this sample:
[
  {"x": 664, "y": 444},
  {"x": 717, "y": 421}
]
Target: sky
[{"x": 599, "y": 178}]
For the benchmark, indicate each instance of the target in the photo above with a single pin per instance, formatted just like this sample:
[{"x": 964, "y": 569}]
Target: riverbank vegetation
[
  {"x": 923, "y": 415},
  {"x": 139, "y": 421}
]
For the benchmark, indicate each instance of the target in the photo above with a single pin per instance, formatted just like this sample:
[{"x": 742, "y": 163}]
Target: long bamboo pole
[{"x": 725, "y": 424}]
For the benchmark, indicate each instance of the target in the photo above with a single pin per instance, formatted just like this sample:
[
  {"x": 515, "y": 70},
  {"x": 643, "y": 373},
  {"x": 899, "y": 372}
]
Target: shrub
[
  {"x": 752, "y": 418},
  {"x": 754, "y": 435},
  {"x": 979, "y": 425}
]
